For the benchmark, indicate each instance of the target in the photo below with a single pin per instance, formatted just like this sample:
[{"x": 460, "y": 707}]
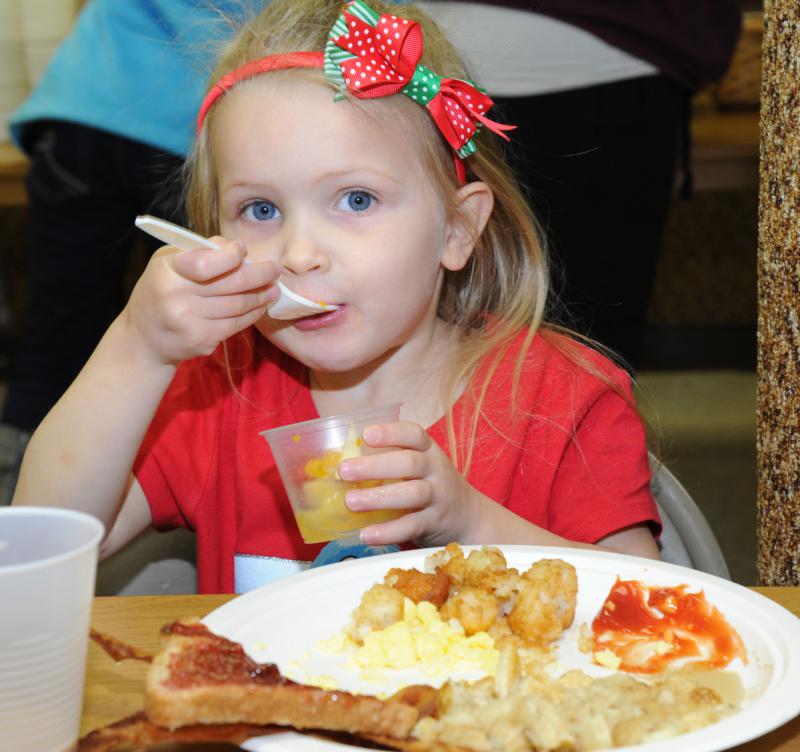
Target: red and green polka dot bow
[{"x": 377, "y": 56}]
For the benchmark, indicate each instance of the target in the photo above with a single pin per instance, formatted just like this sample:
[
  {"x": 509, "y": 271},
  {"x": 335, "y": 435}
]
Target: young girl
[{"x": 329, "y": 154}]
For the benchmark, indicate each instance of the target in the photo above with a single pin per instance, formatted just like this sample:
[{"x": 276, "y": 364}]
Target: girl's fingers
[
  {"x": 231, "y": 306},
  {"x": 411, "y": 461},
  {"x": 404, "y": 494},
  {"x": 223, "y": 271},
  {"x": 400, "y": 463},
  {"x": 206, "y": 264},
  {"x": 403, "y": 529},
  {"x": 239, "y": 323},
  {"x": 244, "y": 278},
  {"x": 218, "y": 330},
  {"x": 402, "y": 433}
]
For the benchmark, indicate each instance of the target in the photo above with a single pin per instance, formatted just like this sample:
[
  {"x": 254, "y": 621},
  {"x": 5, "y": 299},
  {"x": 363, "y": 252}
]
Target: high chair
[
  {"x": 152, "y": 564},
  {"x": 687, "y": 538}
]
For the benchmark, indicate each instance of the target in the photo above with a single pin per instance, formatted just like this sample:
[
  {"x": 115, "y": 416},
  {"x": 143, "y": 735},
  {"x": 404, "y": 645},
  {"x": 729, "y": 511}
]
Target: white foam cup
[{"x": 48, "y": 563}]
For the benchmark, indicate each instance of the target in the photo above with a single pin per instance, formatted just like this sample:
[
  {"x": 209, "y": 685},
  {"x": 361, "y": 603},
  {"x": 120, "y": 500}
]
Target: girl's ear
[{"x": 473, "y": 206}]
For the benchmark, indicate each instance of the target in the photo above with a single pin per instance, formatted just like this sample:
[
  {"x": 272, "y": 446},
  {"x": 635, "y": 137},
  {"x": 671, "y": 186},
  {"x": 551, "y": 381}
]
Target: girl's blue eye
[
  {"x": 261, "y": 211},
  {"x": 356, "y": 201}
]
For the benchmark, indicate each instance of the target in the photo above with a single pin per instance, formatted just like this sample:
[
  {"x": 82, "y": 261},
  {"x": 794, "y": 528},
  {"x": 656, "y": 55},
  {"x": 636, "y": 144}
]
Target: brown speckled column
[{"x": 779, "y": 299}]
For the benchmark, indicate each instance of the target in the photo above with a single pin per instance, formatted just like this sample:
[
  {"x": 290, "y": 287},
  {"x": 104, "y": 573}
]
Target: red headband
[
  {"x": 371, "y": 55},
  {"x": 281, "y": 62},
  {"x": 255, "y": 68}
]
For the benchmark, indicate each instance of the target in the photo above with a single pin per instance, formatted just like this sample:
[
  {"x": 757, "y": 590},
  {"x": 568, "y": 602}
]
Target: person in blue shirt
[{"x": 106, "y": 129}]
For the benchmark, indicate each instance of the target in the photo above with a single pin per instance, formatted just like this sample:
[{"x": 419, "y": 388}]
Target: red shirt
[{"x": 574, "y": 460}]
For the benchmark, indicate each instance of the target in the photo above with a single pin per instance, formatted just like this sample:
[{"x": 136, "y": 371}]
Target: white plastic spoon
[{"x": 289, "y": 305}]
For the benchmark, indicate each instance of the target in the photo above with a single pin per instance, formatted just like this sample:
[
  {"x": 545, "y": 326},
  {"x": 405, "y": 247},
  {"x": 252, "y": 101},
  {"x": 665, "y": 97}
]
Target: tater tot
[
  {"x": 450, "y": 561},
  {"x": 484, "y": 560},
  {"x": 380, "y": 607},
  {"x": 433, "y": 587},
  {"x": 560, "y": 580},
  {"x": 545, "y": 606},
  {"x": 488, "y": 595},
  {"x": 476, "y": 609}
]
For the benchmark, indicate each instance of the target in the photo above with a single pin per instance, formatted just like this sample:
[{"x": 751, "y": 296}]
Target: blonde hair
[{"x": 503, "y": 289}]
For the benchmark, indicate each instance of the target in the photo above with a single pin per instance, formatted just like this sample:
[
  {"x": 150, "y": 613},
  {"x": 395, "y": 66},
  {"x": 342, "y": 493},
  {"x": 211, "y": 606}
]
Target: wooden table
[{"x": 115, "y": 690}]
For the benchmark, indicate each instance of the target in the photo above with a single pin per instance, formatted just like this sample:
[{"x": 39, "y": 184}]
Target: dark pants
[
  {"x": 85, "y": 188},
  {"x": 600, "y": 164}
]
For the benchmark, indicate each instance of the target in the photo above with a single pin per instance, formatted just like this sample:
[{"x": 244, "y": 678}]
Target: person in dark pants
[
  {"x": 589, "y": 153},
  {"x": 600, "y": 93},
  {"x": 85, "y": 187}
]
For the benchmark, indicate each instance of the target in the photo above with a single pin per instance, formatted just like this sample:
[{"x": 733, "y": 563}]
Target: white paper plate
[{"x": 283, "y": 622}]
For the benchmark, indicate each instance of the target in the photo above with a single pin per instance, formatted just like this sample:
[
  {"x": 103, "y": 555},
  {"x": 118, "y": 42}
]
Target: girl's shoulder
[
  {"x": 552, "y": 373},
  {"x": 555, "y": 354},
  {"x": 547, "y": 381}
]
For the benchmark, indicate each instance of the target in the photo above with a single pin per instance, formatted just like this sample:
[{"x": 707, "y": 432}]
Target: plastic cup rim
[
  {"x": 325, "y": 424},
  {"x": 42, "y": 511}
]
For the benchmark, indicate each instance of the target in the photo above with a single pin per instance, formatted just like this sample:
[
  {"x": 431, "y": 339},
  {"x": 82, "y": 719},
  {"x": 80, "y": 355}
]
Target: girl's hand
[
  {"x": 444, "y": 506},
  {"x": 444, "y": 503},
  {"x": 186, "y": 303}
]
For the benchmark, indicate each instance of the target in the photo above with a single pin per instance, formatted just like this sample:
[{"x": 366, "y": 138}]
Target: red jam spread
[
  {"x": 652, "y": 628},
  {"x": 212, "y": 659}
]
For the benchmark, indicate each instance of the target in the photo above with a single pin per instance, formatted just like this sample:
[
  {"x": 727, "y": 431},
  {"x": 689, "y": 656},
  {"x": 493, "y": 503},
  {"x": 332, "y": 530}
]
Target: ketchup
[{"x": 650, "y": 628}]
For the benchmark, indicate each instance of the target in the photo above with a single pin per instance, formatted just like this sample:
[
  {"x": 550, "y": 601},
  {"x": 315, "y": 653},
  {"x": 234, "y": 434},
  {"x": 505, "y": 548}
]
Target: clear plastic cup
[
  {"x": 48, "y": 562},
  {"x": 308, "y": 455}
]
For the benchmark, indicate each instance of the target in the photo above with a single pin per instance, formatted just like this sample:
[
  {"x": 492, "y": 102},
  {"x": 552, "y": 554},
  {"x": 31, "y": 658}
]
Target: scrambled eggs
[{"x": 421, "y": 640}]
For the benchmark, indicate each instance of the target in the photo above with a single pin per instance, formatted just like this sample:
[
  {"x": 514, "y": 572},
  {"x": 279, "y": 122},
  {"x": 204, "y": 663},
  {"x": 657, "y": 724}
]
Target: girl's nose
[{"x": 301, "y": 251}]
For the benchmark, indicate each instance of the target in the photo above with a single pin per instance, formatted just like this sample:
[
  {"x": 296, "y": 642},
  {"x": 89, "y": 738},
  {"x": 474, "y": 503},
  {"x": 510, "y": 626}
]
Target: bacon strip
[
  {"x": 134, "y": 731},
  {"x": 119, "y": 650}
]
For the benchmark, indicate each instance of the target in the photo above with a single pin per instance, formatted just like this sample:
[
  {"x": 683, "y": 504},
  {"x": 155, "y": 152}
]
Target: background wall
[{"x": 29, "y": 32}]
